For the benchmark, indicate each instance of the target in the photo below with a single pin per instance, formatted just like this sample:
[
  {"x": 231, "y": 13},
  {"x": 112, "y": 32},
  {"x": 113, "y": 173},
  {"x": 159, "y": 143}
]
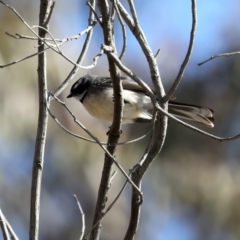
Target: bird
[{"x": 96, "y": 95}]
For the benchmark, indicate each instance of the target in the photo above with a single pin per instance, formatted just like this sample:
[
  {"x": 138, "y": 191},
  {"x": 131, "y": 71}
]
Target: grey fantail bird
[{"x": 96, "y": 95}]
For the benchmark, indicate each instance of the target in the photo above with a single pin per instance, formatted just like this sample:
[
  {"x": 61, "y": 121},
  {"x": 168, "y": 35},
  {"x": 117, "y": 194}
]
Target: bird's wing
[{"x": 127, "y": 83}]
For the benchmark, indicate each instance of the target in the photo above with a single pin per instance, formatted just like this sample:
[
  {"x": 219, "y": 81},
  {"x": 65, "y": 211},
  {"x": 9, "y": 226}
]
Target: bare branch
[
  {"x": 187, "y": 57},
  {"x": 107, "y": 210},
  {"x": 18, "y": 36},
  {"x": 9, "y": 228},
  {"x": 3, "y": 226},
  {"x": 42, "y": 39},
  {"x": 60, "y": 52},
  {"x": 113, "y": 175},
  {"x": 108, "y": 50},
  {"x": 83, "y": 217},
  {"x": 113, "y": 13},
  {"x": 37, "y": 168},
  {"x": 22, "y": 59},
  {"x": 63, "y": 40},
  {"x": 220, "y": 55},
  {"x": 95, "y": 14},
  {"x": 82, "y": 54},
  {"x": 124, "y": 47},
  {"x": 45, "y": 29},
  {"x": 161, "y": 127},
  {"x": 139, "y": 35},
  {"x": 157, "y": 53},
  {"x": 115, "y": 129}
]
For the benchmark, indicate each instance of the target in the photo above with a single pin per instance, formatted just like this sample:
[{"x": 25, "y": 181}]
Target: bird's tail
[{"x": 194, "y": 113}]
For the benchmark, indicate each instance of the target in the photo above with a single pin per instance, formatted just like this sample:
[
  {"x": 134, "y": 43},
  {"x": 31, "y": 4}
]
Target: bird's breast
[{"x": 99, "y": 103}]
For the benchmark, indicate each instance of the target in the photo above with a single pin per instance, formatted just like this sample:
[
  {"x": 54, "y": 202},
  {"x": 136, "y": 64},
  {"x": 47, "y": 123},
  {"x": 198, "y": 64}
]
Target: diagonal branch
[
  {"x": 124, "y": 33},
  {"x": 3, "y": 226},
  {"x": 220, "y": 55},
  {"x": 9, "y": 227},
  {"x": 61, "y": 41},
  {"x": 87, "y": 139},
  {"x": 187, "y": 57},
  {"x": 81, "y": 56},
  {"x": 83, "y": 217}
]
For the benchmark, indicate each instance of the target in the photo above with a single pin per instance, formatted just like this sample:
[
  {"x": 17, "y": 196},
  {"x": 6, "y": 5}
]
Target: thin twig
[
  {"x": 9, "y": 228},
  {"x": 108, "y": 50},
  {"x": 42, "y": 39},
  {"x": 95, "y": 59},
  {"x": 22, "y": 59},
  {"x": 13, "y": 234},
  {"x": 63, "y": 40},
  {"x": 124, "y": 47},
  {"x": 95, "y": 14},
  {"x": 157, "y": 53},
  {"x": 61, "y": 53},
  {"x": 139, "y": 35},
  {"x": 84, "y": 50},
  {"x": 219, "y": 55},
  {"x": 53, "y": 39},
  {"x": 151, "y": 142},
  {"x": 21, "y": 18},
  {"x": 38, "y": 160},
  {"x": 107, "y": 210},
  {"x": 18, "y": 36},
  {"x": 187, "y": 57},
  {"x": 83, "y": 218},
  {"x": 113, "y": 175},
  {"x": 3, "y": 226},
  {"x": 90, "y": 140}
]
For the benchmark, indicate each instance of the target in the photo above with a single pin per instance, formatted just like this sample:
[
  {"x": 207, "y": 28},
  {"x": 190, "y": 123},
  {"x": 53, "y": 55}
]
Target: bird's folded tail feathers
[{"x": 194, "y": 113}]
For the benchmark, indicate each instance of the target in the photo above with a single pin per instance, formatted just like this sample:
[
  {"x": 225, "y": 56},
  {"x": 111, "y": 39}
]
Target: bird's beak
[{"x": 70, "y": 95}]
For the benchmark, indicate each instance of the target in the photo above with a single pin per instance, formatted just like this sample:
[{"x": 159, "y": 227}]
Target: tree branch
[
  {"x": 81, "y": 56},
  {"x": 45, "y": 10},
  {"x": 220, "y": 55},
  {"x": 3, "y": 226},
  {"x": 115, "y": 129},
  {"x": 187, "y": 57},
  {"x": 83, "y": 218}
]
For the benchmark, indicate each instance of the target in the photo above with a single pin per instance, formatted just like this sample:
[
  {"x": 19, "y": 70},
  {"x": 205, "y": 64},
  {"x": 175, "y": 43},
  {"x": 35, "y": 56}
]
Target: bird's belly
[
  {"x": 103, "y": 107},
  {"x": 99, "y": 107}
]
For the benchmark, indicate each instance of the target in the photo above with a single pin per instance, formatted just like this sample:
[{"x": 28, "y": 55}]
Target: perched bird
[{"x": 96, "y": 95}]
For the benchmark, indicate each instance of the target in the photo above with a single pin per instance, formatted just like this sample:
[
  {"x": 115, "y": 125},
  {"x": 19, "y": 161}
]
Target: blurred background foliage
[{"x": 192, "y": 189}]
